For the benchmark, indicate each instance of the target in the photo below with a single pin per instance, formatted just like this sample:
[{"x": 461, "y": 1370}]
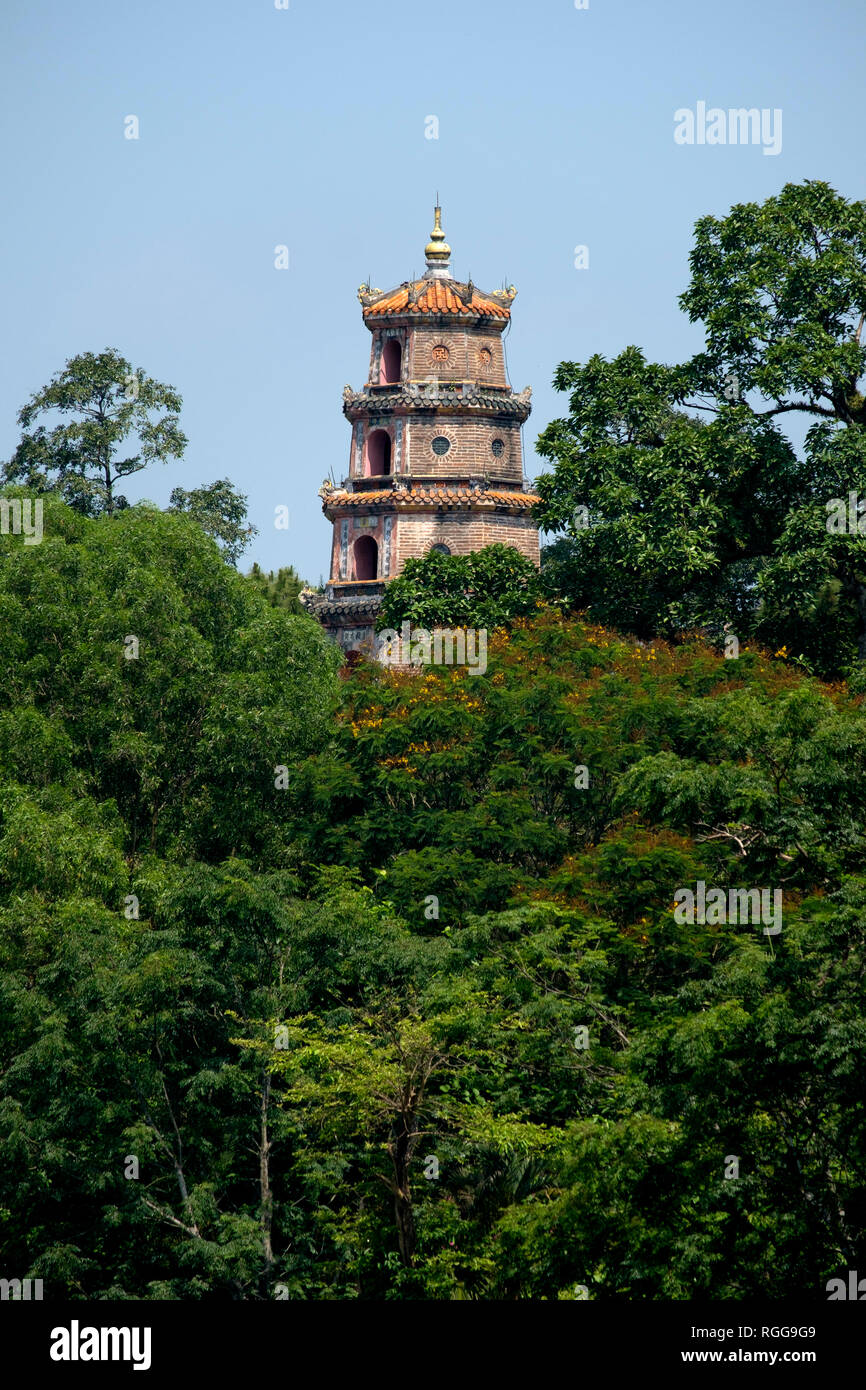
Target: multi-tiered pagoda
[{"x": 436, "y": 460}]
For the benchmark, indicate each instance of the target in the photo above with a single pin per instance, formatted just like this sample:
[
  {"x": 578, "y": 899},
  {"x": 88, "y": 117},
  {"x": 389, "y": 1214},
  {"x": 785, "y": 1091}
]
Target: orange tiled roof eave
[
  {"x": 435, "y": 297},
  {"x": 402, "y": 500}
]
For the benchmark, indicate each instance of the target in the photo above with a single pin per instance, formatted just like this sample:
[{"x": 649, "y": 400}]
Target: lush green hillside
[{"x": 406, "y": 1009}]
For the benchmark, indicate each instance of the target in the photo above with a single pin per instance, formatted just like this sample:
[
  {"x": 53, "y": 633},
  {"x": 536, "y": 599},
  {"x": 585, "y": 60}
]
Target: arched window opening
[
  {"x": 389, "y": 371},
  {"x": 439, "y": 549},
  {"x": 366, "y": 558},
  {"x": 378, "y": 454}
]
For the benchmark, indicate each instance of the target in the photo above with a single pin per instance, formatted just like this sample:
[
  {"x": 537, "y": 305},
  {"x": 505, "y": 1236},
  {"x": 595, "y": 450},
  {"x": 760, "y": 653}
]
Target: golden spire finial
[{"x": 437, "y": 250}]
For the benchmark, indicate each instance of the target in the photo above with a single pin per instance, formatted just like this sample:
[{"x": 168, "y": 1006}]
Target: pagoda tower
[{"x": 435, "y": 460}]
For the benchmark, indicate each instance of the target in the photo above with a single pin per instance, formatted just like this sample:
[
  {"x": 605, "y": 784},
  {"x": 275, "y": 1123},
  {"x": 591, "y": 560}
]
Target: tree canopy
[
  {"x": 221, "y": 511},
  {"x": 109, "y": 403},
  {"x": 375, "y": 990},
  {"x": 483, "y": 589},
  {"x": 675, "y": 500}
]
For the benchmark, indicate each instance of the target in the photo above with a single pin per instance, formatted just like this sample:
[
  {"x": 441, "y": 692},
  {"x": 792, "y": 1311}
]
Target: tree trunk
[
  {"x": 401, "y": 1153},
  {"x": 405, "y": 1218},
  {"x": 267, "y": 1198},
  {"x": 860, "y": 595}
]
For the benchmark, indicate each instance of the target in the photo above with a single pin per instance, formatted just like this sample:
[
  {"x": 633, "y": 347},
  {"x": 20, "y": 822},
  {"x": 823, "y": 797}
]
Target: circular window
[
  {"x": 498, "y": 447},
  {"x": 440, "y": 444},
  {"x": 440, "y": 353},
  {"x": 439, "y": 550}
]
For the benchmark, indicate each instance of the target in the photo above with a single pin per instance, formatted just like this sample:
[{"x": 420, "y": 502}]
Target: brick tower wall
[
  {"x": 471, "y": 451},
  {"x": 463, "y": 532},
  {"x": 474, "y": 354},
  {"x": 470, "y": 353}
]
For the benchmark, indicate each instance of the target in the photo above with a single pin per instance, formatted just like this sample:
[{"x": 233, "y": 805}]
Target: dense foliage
[
  {"x": 294, "y": 975},
  {"x": 281, "y": 589},
  {"x": 483, "y": 589}
]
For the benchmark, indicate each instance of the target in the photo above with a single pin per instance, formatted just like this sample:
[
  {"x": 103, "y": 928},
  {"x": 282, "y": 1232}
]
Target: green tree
[
  {"x": 813, "y": 586},
  {"x": 663, "y": 518},
  {"x": 109, "y": 403},
  {"x": 180, "y": 690},
  {"x": 780, "y": 287},
  {"x": 220, "y": 510},
  {"x": 281, "y": 589},
  {"x": 483, "y": 589},
  {"x": 666, "y": 521}
]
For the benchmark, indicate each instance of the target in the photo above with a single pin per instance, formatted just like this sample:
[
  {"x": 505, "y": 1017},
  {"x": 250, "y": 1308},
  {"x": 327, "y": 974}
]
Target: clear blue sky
[{"x": 306, "y": 127}]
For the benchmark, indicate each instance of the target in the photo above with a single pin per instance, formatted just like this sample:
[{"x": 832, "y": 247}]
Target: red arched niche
[
  {"x": 366, "y": 558},
  {"x": 389, "y": 370},
  {"x": 378, "y": 453}
]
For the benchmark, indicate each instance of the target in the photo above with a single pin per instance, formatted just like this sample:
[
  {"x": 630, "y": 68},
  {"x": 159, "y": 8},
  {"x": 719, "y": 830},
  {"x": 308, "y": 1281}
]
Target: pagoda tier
[{"x": 431, "y": 395}]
